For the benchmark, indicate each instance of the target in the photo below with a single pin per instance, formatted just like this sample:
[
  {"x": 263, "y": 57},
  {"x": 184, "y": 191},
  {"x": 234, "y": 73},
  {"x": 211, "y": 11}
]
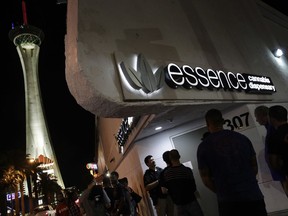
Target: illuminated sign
[
  {"x": 259, "y": 83},
  {"x": 124, "y": 131},
  {"x": 150, "y": 81},
  {"x": 199, "y": 78},
  {"x": 11, "y": 196},
  {"x": 92, "y": 166}
]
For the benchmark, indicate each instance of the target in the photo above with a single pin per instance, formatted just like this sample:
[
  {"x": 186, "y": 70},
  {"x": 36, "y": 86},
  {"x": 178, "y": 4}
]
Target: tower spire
[{"x": 25, "y": 21}]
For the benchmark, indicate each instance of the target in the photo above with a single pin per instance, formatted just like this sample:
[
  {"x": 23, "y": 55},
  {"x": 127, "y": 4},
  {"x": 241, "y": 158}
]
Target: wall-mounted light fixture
[
  {"x": 278, "y": 53},
  {"x": 121, "y": 149},
  {"x": 158, "y": 128}
]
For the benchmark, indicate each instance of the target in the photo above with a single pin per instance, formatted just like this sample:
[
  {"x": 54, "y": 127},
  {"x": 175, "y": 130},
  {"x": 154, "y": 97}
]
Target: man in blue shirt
[
  {"x": 227, "y": 165},
  {"x": 262, "y": 117}
]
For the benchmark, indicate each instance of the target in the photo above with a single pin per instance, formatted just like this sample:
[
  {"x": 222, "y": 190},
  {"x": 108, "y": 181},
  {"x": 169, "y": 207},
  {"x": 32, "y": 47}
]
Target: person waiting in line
[
  {"x": 169, "y": 203},
  {"x": 122, "y": 203},
  {"x": 277, "y": 148},
  {"x": 151, "y": 183},
  {"x": 227, "y": 165},
  {"x": 261, "y": 114},
  {"x": 107, "y": 186},
  {"x": 134, "y": 197},
  {"x": 179, "y": 182}
]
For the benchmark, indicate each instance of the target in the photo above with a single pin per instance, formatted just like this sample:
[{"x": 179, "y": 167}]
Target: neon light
[{"x": 25, "y": 21}]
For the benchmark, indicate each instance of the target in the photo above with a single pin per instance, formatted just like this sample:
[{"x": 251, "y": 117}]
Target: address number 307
[{"x": 237, "y": 122}]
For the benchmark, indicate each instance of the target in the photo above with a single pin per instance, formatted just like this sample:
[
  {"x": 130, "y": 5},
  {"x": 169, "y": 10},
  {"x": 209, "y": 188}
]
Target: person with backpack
[
  {"x": 121, "y": 196},
  {"x": 134, "y": 197}
]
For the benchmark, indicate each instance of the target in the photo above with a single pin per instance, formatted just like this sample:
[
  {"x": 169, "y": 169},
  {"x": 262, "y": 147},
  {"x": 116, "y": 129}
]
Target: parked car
[{"x": 44, "y": 210}]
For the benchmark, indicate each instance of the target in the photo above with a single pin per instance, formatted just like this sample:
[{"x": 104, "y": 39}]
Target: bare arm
[
  {"x": 152, "y": 185},
  {"x": 207, "y": 179}
]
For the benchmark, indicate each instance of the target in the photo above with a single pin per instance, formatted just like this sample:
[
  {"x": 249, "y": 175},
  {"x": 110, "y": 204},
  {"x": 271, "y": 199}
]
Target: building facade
[{"x": 166, "y": 60}]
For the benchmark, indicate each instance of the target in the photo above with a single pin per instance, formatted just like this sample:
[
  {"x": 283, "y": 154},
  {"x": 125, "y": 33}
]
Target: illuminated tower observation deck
[{"x": 27, "y": 40}]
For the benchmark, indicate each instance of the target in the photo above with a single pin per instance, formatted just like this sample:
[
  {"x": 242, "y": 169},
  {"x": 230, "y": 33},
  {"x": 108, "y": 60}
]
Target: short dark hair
[
  {"x": 114, "y": 173},
  {"x": 214, "y": 116},
  {"x": 261, "y": 110},
  {"x": 278, "y": 112},
  {"x": 166, "y": 157},
  {"x": 147, "y": 158},
  {"x": 174, "y": 154}
]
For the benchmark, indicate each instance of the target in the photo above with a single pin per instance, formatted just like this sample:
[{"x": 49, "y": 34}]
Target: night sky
[
  {"x": 71, "y": 127},
  {"x": 280, "y": 5}
]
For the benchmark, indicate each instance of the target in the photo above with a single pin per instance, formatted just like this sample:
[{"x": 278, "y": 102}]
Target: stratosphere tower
[{"x": 27, "y": 39}]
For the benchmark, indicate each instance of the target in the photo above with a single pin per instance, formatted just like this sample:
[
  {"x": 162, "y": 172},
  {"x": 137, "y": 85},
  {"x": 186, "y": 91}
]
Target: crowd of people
[
  {"x": 173, "y": 188},
  {"x": 112, "y": 197},
  {"x": 227, "y": 166},
  {"x": 274, "y": 119}
]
